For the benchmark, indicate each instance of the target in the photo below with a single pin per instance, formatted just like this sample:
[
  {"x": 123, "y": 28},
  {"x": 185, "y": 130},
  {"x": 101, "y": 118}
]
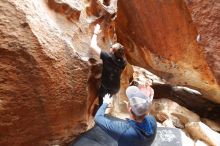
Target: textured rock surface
[
  {"x": 200, "y": 131},
  {"x": 205, "y": 15},
  {"x": 44, "y": 59},
  {"x": 44, "y": 71},
  {"x": 164, "y": 41},
  {"x": 164, "y": 109},
  {"x": 43, "y": 82}
]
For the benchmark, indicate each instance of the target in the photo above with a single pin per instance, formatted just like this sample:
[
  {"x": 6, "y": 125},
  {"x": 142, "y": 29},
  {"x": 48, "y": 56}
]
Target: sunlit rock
[
  {"x": 212, "y": 124},
  {"x": 164, "y": 109},
  {"x": 200, "y": 131}
]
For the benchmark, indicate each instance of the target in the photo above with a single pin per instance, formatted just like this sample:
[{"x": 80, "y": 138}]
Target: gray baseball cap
[{"x": 138, "y": 100}]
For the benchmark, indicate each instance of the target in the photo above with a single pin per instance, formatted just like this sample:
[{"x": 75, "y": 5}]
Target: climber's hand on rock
[
  {"x": 107, "y": 98},
  {"x": 97, "y": 29}
]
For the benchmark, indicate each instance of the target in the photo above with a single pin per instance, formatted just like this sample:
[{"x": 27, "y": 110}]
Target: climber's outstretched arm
[{"x": 93, "y": 45}]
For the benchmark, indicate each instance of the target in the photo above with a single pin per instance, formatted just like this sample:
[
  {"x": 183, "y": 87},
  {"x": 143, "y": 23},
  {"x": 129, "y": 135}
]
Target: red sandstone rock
[
  {"x": 162, "y": 36},
  {"x": 206, "y": 18},
  {"x": 44, "y": 71},
  {"x": 164, "y": 109},
  {"x": 44, "y": 50}
]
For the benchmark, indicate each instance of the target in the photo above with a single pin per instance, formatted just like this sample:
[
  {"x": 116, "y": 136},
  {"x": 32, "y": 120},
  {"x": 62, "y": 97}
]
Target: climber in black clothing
[{"x": 113, "y": 65}]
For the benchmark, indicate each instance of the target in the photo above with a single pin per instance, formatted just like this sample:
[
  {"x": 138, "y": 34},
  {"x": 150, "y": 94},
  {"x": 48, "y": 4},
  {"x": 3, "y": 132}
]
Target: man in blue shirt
[{"x": 139, "y": 130}]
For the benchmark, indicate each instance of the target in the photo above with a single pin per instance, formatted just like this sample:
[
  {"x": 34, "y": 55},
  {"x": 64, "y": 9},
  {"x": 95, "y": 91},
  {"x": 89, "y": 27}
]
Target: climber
[
  {"x": 145, "y": 88},
  {"x": 113, "y": 65},
  {"x": 139, "y": 130}
]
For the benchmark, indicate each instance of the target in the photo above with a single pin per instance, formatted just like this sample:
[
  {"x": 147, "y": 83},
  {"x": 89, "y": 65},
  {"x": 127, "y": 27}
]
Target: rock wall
[
  {"x": 173, "y": 40},
  {"x": 47, "y": 84},
  {"x": 205, "y": 16},
  {"x": 44, "y": 67}
]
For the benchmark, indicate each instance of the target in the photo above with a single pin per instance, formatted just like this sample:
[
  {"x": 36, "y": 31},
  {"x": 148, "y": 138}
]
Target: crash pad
[{"x": 97, "y": 137}]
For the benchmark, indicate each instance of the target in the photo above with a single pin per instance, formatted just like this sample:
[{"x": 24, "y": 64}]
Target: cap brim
[{"x": 131, "y": 91}]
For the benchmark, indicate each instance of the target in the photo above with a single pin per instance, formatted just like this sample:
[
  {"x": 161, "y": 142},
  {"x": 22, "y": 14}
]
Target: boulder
[
  {"x": 44, "y": 51},
  {"x": 214, "y": 125},
  {"x": 176, "y": 40},
  {"x": 165, "y": 109},
  {"x": 200, "y": 131}
]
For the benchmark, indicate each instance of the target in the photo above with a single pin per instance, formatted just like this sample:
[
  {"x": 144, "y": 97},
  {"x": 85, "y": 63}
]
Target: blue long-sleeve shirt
[{"x": 127, "y": 132}]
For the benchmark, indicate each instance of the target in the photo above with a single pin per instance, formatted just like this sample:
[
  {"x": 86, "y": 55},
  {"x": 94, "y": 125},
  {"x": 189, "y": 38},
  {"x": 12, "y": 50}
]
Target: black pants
[{"x": 103, "y": 91}]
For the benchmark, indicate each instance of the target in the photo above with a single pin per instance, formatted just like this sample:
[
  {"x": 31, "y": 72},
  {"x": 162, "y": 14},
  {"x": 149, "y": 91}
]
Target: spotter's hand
[{"x": 107, "y": 98}]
